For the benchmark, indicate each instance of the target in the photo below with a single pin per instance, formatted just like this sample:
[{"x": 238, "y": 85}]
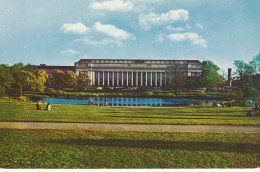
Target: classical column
[
  {"x": 98, "y": 78},
  {"x": 141, "y": 79},
  {"x": 132, "y": 80},
  {"x": 93, "y": 78},
  {"x": 122, "y": 76},
  {"x": 151, "y": 79},
  {"x": 145, "y": 79},
  {"x": 103, "y": 78},
  {"x": 136, "y": 79},
  {"x": 160, "y": 79},
  {"x": 108, "y": 78},
  {"x": 127, "y": 79},
  {"x": 113, "y": 78},
  {"x": 117, "y": 80},
  {"x": 165, "y": 78},
  {"x": 156, "y": 79}
]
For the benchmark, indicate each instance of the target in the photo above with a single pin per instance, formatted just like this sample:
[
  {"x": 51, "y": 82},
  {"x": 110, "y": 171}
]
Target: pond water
[{"x": 121, "y": 101}]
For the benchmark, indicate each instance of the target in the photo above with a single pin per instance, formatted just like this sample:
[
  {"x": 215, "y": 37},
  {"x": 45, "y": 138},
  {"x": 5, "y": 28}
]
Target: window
[{"x": 149, "y": 65}]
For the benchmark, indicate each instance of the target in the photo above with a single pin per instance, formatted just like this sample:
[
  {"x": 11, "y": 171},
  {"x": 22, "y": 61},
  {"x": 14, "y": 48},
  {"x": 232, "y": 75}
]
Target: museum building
[{"x": 134, "y": 73}]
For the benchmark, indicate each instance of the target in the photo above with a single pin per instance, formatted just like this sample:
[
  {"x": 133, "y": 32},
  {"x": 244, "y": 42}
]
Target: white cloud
[
  {"x": 113, "y": 5},
  {"x": 69, "y": 52},
  {"x": 146, "y": 21},
  {"x": 171, "y": 28},
  {"x": 193, "y": 37},
  {"x": 102, "y": 42},
  {"x": 112, "y": 31},
  {"x": 159, "y": 38},
  {"x": 77, "y": 28},
  {"x": 198, "y": 25}
]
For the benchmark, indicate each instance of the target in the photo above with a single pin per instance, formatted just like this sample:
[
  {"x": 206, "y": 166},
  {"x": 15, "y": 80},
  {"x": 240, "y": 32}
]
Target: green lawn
[
  {"x": 96, "y": 149},
  {"x": 153, "y": 115}
]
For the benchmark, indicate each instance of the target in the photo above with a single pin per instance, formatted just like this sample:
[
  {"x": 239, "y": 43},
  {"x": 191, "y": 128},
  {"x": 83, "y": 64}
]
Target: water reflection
[{"x": 120, "y": 101}]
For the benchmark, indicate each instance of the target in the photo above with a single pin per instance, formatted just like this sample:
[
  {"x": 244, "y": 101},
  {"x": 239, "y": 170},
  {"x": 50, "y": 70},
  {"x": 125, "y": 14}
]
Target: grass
[
  {"x": 103, "y": 149},
  {"x": 144, "y": 115}
]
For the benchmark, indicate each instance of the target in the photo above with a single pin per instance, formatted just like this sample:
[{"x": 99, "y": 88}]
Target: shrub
[
  {"x": 237, "y": 95},
  {"x": 35, "y": 98},
  {"x": 148, "y": 93},
  {"x": 249, "y": 103},
  {"x": 2, "y": 91},
  {"x": 251, "y": 93},
  {"x": 22, "y": 98}
]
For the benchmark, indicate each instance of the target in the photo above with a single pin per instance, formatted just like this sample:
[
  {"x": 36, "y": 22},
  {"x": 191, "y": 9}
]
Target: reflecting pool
[{"x": 125, "y": 101}]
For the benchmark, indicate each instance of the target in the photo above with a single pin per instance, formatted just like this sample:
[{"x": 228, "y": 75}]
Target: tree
[
  {"x": 28, "y": 77},
  {"x": 243, "y": 70},
  {"x": 256, "y": 64},
  {"x": 58, "y": 78},
  {"x": 192, "y": 82},
  {"x": 71, "y": 79},
  {"x": 176, "y": 77},
  {"x": 83, "y": 80},
  {"x": 6, "y": 79},
  {"x": 209, "y": 76},
  {"x": 21, "y": 76},
  {"x": 41, "y": 78}
]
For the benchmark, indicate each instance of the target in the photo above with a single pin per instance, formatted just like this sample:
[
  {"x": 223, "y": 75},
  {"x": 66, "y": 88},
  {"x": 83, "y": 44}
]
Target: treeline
[
  {"x": 249, "y": 80},
  {"x": 16, "y": 79}
]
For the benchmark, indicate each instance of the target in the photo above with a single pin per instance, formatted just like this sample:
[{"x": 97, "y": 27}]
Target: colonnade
[{"x": 129, "y": 79}]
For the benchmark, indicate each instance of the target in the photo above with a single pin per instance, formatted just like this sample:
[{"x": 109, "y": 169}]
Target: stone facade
[{"x": 134, "y": 73}]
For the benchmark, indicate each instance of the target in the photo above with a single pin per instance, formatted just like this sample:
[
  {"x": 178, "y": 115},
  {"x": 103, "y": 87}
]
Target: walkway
[{"x": 129, "y": 127}]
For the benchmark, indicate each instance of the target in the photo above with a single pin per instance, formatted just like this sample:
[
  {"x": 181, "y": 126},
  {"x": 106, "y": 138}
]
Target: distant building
[{"x": 134, "y": 73}]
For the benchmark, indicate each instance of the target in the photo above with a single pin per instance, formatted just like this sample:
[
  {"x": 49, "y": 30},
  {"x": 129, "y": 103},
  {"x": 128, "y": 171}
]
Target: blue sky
[{"x": 60, "y": 32}]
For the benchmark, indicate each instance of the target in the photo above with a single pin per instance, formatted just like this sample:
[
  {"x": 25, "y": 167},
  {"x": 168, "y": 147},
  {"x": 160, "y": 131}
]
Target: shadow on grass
[
  {"x": 159, "y": 144},
  {"x": 150, "y": 117}
]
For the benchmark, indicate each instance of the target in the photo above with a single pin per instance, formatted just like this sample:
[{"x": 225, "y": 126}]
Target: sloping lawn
[
  {"x": 153, "y": 115},
  {"x": 103, "y": 149}
]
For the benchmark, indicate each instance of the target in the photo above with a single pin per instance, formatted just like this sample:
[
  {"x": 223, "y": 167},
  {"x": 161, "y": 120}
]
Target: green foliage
[
  {"x": 71, "y": 79},
  {"x": 148, "y": 93},
  {"x": 2, "y": 91},
  {"x": 243, "y": 70},
  {"x": 23, "y": 99},
  {"x": 6, "y": 78},
  {"x": 58, "y": 77},
  {"x": 193, "y": 82},
  {"x": 210, "y": 77},
  {"x": 252, "y": 93},
  {"x": 83, "y": 80},
  {"x": 28, "y": 77},
  {"x": 237, "y": 95},
  {"x": 176, "y": 77}
]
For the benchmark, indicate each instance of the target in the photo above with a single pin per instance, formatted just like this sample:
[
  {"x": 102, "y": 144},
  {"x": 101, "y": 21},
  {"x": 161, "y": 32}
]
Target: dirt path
[{"x": 129, "y": 127}]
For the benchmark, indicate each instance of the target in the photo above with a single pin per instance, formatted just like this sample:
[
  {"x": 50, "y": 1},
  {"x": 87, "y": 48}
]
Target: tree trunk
[{"x": 21, "y": 90}]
